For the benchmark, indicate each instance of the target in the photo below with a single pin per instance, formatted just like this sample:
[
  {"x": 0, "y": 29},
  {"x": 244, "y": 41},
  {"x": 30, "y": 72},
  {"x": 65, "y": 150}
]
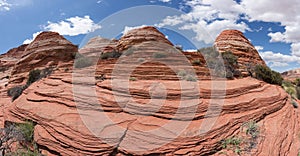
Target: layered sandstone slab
[{"x": 80, "y": 118}]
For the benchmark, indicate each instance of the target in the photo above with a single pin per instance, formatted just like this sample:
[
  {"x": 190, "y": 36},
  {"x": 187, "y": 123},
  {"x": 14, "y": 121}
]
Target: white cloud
[
  {"x": 4, "y": 5},
  {"x": 73, "y": 26},
  {"x": 127, "y": 28},
  {"x": 296, "y": 49},
  {"x": 165, "y": 1},
  {"x": 208, "y": 18},
  {"x": 278, "y": 59},
  {"x": 28, "y": 41},
  {"x": 276, "y": 37},
  {"x": 286, "y": 12},
  {"x": 259, "y": 48}
]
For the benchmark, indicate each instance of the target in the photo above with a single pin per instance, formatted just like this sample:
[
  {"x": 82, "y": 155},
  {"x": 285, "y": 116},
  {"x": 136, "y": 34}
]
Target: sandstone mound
[
  {"x": 47, "y": 50},
  {"x": 240, "y": 46},
  {"x": 140, "y": 35}
]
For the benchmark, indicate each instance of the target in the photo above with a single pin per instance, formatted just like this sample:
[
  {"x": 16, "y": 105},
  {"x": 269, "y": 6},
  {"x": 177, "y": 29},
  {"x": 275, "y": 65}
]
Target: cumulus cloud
[
  {"x": 259, "y": 48},
  {"x": 4, "y": 5},
  {"x": 208, "y": 18},
  {"x": 286, "y": 12},
  {"x": 277, "y": 59},
  {"x": 73, "y": 26},
  {"x": 128, "y": 28},
  {"x": 28, "y": 41}
]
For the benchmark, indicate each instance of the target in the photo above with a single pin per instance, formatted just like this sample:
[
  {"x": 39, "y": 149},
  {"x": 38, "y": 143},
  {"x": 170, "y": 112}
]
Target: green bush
[
  {"x": 196, "y": 62},
  {"x": 27, "y": 130},
  {"x": 182, "y": 73},
  {"x": 286, "y": 83},
  {"x": 232, "y": 143},
  {"x": 159, "y": 55},
  {"x": 82, "y": 62},
  {"x": 34, "y": 75},
  {"x": 298, "y": 92},
  {"x": 266, "y": 74},
  {"x": 109, "y": 55},
  {"x": 295, "y": 104},
  {"x": 15, "y": 92},
  {"x": 132, "y": 79},
  {"x": 191, "y": 78},
  {"x": 229, "y": 58}
]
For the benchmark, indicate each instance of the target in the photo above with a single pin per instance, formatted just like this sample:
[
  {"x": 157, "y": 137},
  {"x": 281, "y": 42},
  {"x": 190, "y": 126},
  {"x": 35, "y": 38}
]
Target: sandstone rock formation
[
  {"x": 142, "y": 104},
  {"x": 291, "y": 74},
  {"x": 47, "y": 50},
  {"x": 98, "y": 45},
  {"x": 140, "y": 35},
  {"x": 240, "y": 46}
]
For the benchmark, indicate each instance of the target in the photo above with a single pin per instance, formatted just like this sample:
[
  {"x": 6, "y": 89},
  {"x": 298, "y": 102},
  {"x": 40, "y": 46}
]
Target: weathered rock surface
[
  {"x": 140, "y": 125},
  {"x": 140, "y": 35},
  {"x": 240, "y": 46}
]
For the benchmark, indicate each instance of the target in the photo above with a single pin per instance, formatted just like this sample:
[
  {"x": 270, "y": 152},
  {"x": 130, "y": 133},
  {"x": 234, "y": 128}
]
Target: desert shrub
[
  {"x": 297, "y": 82},
  {"x": 140, "y": 59},
  {"x": 286, "y": 83},
  {"x": 229, "y": 58},
  {"x": 27, "y": 130},
  {"x": 108, "y": 55},
  {"x": 159, "y": 55},
  {"x": 190, "y": 78},
  {"x": 196, "y": 62},
  {"x": 34, "y": 75},
  {"x": 252, "y": 129},
  {"x": 290, "y": 90},
  {"x": 298, "y": 92},
  {"x": 181, "y": 73},
  {"x": 132, "y": 79},
  {"x": 82, "y": 62},
  {"x": 179, "y": 47},
  {"x": 15, "y": 92},
  {"x": 295, "y": 104},
  {"x": 232, "y": 143},
  {"x": 266, "y": 74}
]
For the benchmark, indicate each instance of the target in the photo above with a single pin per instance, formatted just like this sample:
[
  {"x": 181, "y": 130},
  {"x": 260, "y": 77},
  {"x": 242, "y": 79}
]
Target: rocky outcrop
[
  {"x": 291, "y": 75},
  {"x": 140, "y": 35},
  {"x": 146, "y": 124},
  {"x": 240, "y": 46},
  {"x": 47, "y": 50}
]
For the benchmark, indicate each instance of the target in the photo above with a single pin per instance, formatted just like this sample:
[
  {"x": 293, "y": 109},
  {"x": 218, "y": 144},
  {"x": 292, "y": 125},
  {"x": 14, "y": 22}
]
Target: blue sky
[{"x": 272, "y": 26}]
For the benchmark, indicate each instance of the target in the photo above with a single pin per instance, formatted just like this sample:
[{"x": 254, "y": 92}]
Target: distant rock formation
[
  {"x": 240, "y": 46},
  {"x": 291, "y": 74}
]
